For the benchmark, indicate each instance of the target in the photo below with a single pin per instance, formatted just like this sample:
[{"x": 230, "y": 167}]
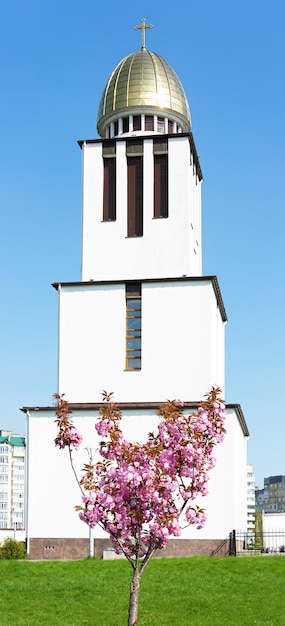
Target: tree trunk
[{"x": 134, "y": 599}]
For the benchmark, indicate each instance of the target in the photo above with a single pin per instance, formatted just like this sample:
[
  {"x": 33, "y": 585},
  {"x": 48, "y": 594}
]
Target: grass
[{"x": 197, "y": 591}]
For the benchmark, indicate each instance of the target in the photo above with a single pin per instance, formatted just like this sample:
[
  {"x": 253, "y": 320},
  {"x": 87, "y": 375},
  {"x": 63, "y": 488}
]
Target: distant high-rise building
[
  {"x": 12, "y": 480},
  {"x": 250, "y": 499},
  {"x": 271, "y": 499}
]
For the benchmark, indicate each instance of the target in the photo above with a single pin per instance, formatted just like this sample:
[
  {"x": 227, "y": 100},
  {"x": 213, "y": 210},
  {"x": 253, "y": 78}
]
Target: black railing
[
  {"x": 222, "y": 549},
  {"x": 250, "y": 543},
  {"x": 268, "y": 542}
]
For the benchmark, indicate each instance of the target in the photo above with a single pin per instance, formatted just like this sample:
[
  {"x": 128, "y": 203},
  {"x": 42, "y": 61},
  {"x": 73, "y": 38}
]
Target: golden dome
[{"x": 143, "y": 81}]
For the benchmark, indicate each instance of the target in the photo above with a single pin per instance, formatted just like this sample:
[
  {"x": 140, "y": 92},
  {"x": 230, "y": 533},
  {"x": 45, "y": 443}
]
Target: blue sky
[{"x": 55, "y": 59}]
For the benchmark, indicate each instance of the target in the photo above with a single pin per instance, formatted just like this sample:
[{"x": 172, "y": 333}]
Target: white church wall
[
  {"x": 53, "y": 492},
  {"x": 91, "y": 340},
  {"x": 185, "y": 206},
  {"x": 91, "y": 210},
  {"x": 180, "y": 350},
  {"x": 169, "y": 246},
  {"x": 225, "y": 503},
  {"x": 182, "y": 332}
]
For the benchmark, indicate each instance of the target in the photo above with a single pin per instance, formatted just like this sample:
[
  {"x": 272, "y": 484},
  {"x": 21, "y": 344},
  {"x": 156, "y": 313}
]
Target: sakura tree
[{"x": 142, "y": 494}]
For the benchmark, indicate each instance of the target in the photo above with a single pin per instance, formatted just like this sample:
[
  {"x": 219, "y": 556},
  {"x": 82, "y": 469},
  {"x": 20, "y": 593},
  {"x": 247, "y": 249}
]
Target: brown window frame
[
  {"x": 126, "y": 124},
  {"x": 170, "y": 127},
  {"x": 133, "y": 326},
  {"x": 135, "y": 195},
  {"x": 137, "y": 122},
  {"x": 160, "y": 179},
  {"x": 161, "y": 125},
  {"x": 149, "y": 122},
  {"x": 109, "y": 189}
]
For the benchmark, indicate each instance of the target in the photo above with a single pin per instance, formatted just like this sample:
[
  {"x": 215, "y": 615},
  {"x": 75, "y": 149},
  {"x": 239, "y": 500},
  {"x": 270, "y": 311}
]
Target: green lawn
[{"x": 197, "y": 591}]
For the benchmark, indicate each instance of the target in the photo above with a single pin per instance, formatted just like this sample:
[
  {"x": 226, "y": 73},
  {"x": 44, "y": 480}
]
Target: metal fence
[{"x": 251, "y": 543}]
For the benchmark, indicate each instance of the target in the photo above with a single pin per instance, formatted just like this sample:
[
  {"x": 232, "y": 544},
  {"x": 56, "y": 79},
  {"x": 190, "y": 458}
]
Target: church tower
[
  {"x": 143, "y": 321},
  {"x": 141, "y": 181}
]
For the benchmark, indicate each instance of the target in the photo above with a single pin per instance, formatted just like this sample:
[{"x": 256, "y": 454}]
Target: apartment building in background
[
  {"x": 12, "y": 481},
  {"x": 250, "y": 499},
  {"x": 271, "y": 499}
]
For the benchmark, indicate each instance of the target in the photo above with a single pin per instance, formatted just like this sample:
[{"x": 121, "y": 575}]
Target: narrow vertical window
[
  {"x": 109, "y": 193},
  {"x": 160, "y": 164},
  {"x": 109, "y": 181},
  {"x": 125, "y": 124},
  {"x": 136, "y": 122},
  {"x": 135, "y": 196},
  {"x": 149, "y": 122},
  {"x": 133, "y": 326},
  {"x": 170, "y": 127},
  {"x": 160, "y": 125}
]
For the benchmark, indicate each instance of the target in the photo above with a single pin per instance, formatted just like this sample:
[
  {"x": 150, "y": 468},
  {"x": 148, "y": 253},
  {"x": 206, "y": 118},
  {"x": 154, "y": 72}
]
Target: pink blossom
[
  {"x": 70, "y": 438},
  {"x": 142, "y": 494}
]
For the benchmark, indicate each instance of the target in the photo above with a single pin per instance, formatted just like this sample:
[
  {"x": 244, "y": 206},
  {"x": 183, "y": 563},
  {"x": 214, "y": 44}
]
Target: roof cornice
[
  {"x": 130, "y": 406},
  {"x": 160, "y": 136},
  {"x": 239, "y": 412},
  {"x": 194, "y": 279}
]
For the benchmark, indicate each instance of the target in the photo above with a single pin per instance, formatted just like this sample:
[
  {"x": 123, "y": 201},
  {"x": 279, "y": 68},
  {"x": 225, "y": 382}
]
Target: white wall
[
  {"x": 226, "y": 502},
  {"x": 182, "y": 342},
  {"x": 273, "y": 521},
  {"x": 53, "y": 492},
  {"x": 169, "y": 246},
  {"x": 9, "y": 533}
]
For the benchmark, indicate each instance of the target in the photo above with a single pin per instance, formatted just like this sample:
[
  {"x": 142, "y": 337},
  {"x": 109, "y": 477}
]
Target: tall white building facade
[
  {"x": 12, "y": 482},
  {"x": 143, "y": 321}
]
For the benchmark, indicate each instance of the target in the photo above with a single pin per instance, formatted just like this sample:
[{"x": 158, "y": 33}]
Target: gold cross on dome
[{"x": 142, "y": 28}]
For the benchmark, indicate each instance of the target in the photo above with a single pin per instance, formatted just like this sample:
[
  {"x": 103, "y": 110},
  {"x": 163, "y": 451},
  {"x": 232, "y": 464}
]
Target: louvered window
[
  {"x": 160, "y": 125},
  {"x": 135, "y": 188},
  {"x": 133, "y": 326},
  {"x": 160, "y": 164},
  {"x": 170, "y": 127},
  {"x": 109, "y": 182},
  {"x": 149, "y": 122},
  {"x": 136, "y": 122},
  {"x": 125, "y": 124}
]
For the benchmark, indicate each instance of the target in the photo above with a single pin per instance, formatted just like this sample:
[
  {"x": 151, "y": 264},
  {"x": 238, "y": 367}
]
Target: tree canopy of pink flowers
[{"x": 141, "y": 494}]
